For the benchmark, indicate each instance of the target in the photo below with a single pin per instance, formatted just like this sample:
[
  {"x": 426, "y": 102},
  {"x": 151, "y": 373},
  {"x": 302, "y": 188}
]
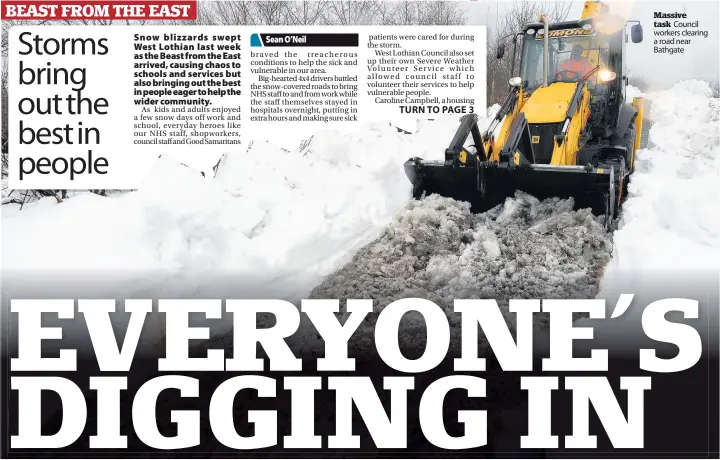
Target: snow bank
[
  {"x": 631, "y": 92},
  {"x": 272, "y": 223},
  {"x": 668, "y": 241},
  {"x": 670, "y": 219},
  {"x": 268, "y": 211}
]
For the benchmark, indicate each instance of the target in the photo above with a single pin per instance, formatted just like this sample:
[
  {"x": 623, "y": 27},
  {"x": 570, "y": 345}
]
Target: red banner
[{"x": 133, "y": 10}]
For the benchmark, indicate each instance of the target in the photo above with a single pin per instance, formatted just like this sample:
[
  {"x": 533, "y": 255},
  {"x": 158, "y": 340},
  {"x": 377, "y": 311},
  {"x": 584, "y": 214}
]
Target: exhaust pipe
[{"x": 546, "y": 54}]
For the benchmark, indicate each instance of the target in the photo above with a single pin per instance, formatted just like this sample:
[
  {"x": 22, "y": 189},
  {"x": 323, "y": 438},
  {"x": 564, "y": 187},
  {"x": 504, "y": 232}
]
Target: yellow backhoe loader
[{"x": 564, "y": 130}]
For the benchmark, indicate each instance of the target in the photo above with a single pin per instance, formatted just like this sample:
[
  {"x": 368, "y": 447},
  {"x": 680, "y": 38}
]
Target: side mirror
[
  {"x": 500, "y": 51},
  {"x": 636, "y": 33}
]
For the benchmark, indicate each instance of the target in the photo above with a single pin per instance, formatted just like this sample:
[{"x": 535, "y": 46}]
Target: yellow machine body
[{"x": 542, "y": 140}]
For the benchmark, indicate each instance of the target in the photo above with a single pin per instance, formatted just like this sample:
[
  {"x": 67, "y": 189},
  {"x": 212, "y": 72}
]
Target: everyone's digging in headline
[{"x": 388, "y": 428}]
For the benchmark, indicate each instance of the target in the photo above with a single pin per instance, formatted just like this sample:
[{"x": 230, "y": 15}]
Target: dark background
[{"x": 681, "y": 413}]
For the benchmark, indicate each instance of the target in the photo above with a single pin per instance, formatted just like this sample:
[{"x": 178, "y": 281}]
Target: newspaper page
[{"x": 360, "y": 229}]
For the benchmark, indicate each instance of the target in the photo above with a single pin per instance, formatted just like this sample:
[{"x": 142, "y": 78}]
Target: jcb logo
[{"x": 566, "y": 33}]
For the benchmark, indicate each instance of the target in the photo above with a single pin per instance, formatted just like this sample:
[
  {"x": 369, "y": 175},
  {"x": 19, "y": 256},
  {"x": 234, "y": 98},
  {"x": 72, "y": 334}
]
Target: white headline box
[{"x": 94, "y": 107}]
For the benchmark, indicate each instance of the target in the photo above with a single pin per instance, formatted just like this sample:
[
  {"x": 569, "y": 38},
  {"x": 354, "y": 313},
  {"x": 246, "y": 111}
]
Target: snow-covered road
[{"x": 285, "y": 220}]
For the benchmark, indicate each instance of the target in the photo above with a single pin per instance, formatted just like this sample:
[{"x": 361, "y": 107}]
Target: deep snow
[
  {"x": 670, "y": 219},
  {"x": 285, "y": 220},
  {"x": 282, "y": 218},
  {"x": 668, "y": 241}
]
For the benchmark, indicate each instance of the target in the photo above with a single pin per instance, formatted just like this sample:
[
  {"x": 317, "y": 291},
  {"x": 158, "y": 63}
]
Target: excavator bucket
[
  {"x": 485, "y": 187},
  {"x": 462, "y": 184},
  {"x": 486, "y": 184}
]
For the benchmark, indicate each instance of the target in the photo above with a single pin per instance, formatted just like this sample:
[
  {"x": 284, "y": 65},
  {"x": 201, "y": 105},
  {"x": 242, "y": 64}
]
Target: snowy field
[
  {"x": 267, "y": 211},
  {"x": 287, "y": 221}
]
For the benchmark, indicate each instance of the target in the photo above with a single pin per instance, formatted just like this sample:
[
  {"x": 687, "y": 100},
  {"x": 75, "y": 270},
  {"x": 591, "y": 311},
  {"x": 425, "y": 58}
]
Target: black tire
[
  {"x": 612, "y": 201},
  {"x": 629, "y": 143},
  {"x": 608, "y": 207}
]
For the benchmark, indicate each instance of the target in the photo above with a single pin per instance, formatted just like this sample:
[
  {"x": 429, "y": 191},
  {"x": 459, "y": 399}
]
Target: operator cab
[
  {"x": 577, "y": 52},
  {"x": 564, "y": 44}
]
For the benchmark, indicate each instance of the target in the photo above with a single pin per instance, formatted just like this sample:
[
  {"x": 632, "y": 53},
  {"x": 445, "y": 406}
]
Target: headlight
[{"x": 606, "y": 75}]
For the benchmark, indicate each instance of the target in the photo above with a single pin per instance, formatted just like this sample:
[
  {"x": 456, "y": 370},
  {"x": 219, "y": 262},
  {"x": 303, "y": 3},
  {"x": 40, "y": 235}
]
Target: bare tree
[
  {"x": 510, "y": 21},
  {"x": 4, "y": 85},
  {"x": 405, "y": 13},
  {"x": 236, "y": 12},
  {"x": 352, "y": 12},
  {"x": 441, "y": 13},
  {"x": 306, "y": 12},
  {"x": 270, "y": 12}
]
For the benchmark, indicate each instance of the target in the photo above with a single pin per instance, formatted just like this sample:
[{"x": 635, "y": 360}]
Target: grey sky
[{"x": 701, "y": 58}]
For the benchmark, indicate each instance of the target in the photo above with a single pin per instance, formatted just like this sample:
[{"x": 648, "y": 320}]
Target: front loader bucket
[
  {"x": 462, "y": 184},
  {"x": 487, "y": 187}
]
